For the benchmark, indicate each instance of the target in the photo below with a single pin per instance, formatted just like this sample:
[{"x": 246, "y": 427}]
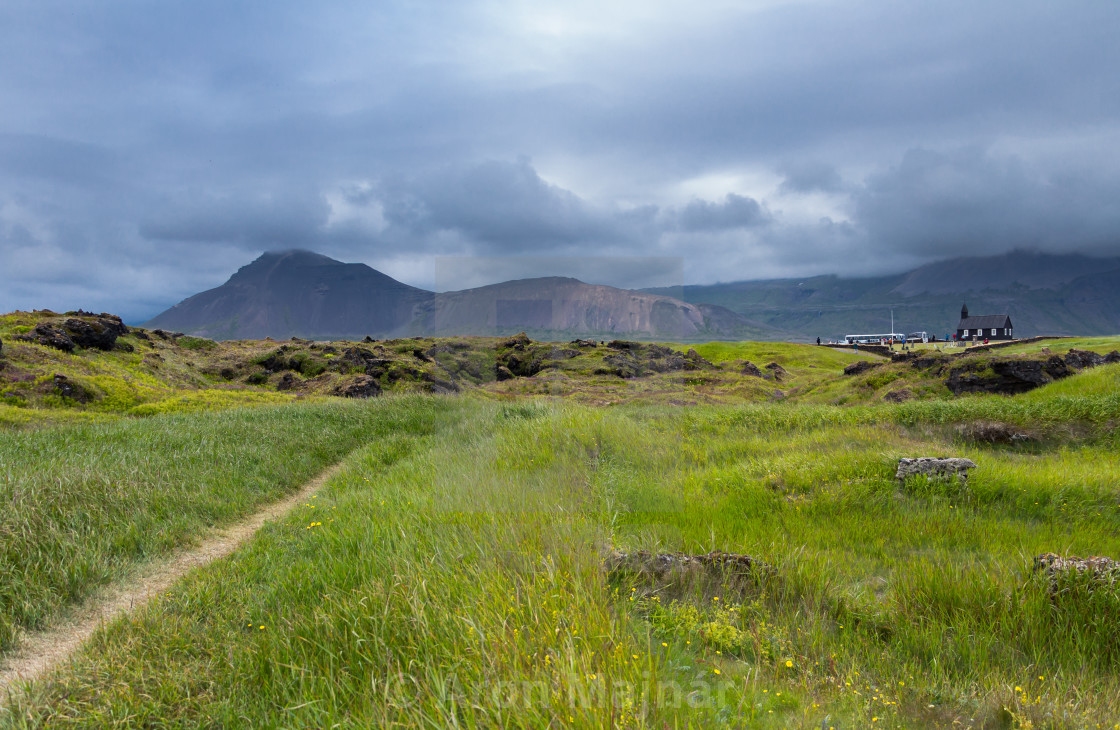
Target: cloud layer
[{"x": 148, "y": 150}]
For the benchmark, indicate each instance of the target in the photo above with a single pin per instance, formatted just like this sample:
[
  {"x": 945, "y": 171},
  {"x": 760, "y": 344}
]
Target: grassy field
[
  {"x": 452, "y": 573},
  {"x": 85, "y": 504}
]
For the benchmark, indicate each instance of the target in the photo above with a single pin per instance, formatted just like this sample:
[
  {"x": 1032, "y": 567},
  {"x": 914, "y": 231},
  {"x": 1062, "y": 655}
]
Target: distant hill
[
  {"x": 299, "y": 294},
  {"x": 303, "y": 294},
  {"x": 1043, "y": 293}
]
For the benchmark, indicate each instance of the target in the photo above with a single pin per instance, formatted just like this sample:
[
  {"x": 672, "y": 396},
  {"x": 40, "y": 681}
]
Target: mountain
[
  {"x": 303, "y": 294},
  {"x": 299, "y": 294},
  {"x": 560, "y": 307},
  {"x": 1043, "y": 293}
]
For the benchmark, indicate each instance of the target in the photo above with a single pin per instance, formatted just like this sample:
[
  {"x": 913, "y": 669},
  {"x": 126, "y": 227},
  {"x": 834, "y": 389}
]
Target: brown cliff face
[{"x": 555, "y": 304}]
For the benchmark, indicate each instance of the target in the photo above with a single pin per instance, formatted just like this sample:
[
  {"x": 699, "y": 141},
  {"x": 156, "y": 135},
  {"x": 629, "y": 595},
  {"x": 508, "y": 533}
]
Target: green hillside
[{"x": 487, "y": 555}]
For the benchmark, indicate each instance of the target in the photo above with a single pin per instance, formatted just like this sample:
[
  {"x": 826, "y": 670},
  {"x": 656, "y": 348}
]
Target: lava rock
[
  {"x": 100, "y": 334},
  {"x": 519, "y": 341},
  {"x": 1065, "y": 573},
  {"x": 49, "y": 336},
  {"x": 66, "y": 388},
  {"x": 861, "y": 367},
  {"x": 899, "y": 396},
  {"x": 776, "y": 371},
  {"x": 362, "y": 386},
  {"x": 1008, "y": 376},
  {"x": 287, "y": 382},
  {"x": 1083, "y": 359},
  {"x": 749, "y": 368},
  {"x": 939, "y": 467}
]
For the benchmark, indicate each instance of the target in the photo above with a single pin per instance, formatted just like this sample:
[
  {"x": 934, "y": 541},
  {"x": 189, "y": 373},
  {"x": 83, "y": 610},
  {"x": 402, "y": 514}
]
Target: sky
[{"x": 148, "y": 150}]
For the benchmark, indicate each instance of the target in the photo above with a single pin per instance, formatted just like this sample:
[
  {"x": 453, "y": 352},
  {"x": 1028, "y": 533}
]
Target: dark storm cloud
[
  {"x": 148, "y": 149},
  {"x": 973, "y": 202},
  {"x": 280, "y": 220},
  {"x": 506, "y": 207},
  {"x": 736, "y": 211}
]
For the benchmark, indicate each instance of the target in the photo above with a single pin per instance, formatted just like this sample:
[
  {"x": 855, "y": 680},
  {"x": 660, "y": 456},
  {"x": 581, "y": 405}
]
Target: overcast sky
[{"x": 149, "y": 149}]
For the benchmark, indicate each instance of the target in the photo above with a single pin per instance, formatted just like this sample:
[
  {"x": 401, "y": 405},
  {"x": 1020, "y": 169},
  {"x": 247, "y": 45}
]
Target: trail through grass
[
  {"x": 452, "y": 574},
  {"x": 85, "y": 504}
]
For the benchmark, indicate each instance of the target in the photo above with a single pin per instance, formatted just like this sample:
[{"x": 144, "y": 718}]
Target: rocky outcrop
[
  {"x": 1007, "y": 376},
  {"x": 99, "y": 333},
  {"x": 862, "y": 366},
  {"x": 749, "y": 368},
  {"x": 63, "y": 386},
  {"x": 899, "y": 396},
  {"x": 776, "y": 371},
  {"x": 635, "y": 360},
  {"x": 361, "y": 386},
  {"x": 1018, "y": 375},
  {"x": 1065, "y": 573},
  {"x": 49, "y": 336},
  {"x": 935, "y": 468}
]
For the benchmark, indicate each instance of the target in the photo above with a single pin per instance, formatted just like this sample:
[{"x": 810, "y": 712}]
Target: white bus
[{"x": 888, "y": 338}]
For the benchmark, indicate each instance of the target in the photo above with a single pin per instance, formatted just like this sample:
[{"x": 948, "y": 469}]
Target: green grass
[
  {"x": 84, "y": 504},
  {"x": 451, "y": 574}
]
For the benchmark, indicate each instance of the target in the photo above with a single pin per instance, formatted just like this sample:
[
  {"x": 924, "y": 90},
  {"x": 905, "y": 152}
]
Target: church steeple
[{"x": 964, "y": 311}]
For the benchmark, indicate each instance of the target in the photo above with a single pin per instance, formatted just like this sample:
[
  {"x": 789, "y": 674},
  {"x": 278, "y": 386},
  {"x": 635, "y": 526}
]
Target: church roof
[{"x": 985, "y": 321}]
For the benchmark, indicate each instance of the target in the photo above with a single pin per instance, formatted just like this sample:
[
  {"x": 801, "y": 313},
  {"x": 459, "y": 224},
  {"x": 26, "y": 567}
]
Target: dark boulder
[
  {"x": 695, "y": 358},
  {"x": 583, "y": 343},
  {"x": 439, "y": 385},
  {"x": 114, "y": 322},
  {"x": 1006, "y": 377},
  {"x": 66, "y": 388},
  {"x": 98, "y": 334},
  {"x": 519, "y": 341},
  {"x": 776, "y": 371},
  {"x": 362, "y": 360},
  {"x": 524, "y": 365},
  {"x": 1, "y": 347},
  {"x": 49, "y": 336},
  {"x": 1083, "y": 359},
  {"x": 899, "y": 396},
  {"x": 862, "y": 366},
  {"x": 362, "y": 386},
  {"x": 501, "y": 372},
  {"x": 749, "y": 368},
  {"x": 1112, "y": 357},
  {"x": 287, "y": 382},
  {"x": 635, "y": 360}
]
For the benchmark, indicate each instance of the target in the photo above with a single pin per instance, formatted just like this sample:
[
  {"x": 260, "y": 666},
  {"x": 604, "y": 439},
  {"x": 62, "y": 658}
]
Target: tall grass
[
  {"x": 84, "y": 504},
  {"x": 452, "y": 575}
]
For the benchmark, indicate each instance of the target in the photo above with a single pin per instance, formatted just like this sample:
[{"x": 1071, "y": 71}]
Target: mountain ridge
[{"x": 298, "y": 293}]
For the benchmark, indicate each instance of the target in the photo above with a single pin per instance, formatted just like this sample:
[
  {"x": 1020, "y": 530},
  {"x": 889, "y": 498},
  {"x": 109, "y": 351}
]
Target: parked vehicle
[{"x": 889, "y": 337}]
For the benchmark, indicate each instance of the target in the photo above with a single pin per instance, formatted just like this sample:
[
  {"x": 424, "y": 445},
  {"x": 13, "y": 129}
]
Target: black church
[{"x": 984, "y": 326}]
